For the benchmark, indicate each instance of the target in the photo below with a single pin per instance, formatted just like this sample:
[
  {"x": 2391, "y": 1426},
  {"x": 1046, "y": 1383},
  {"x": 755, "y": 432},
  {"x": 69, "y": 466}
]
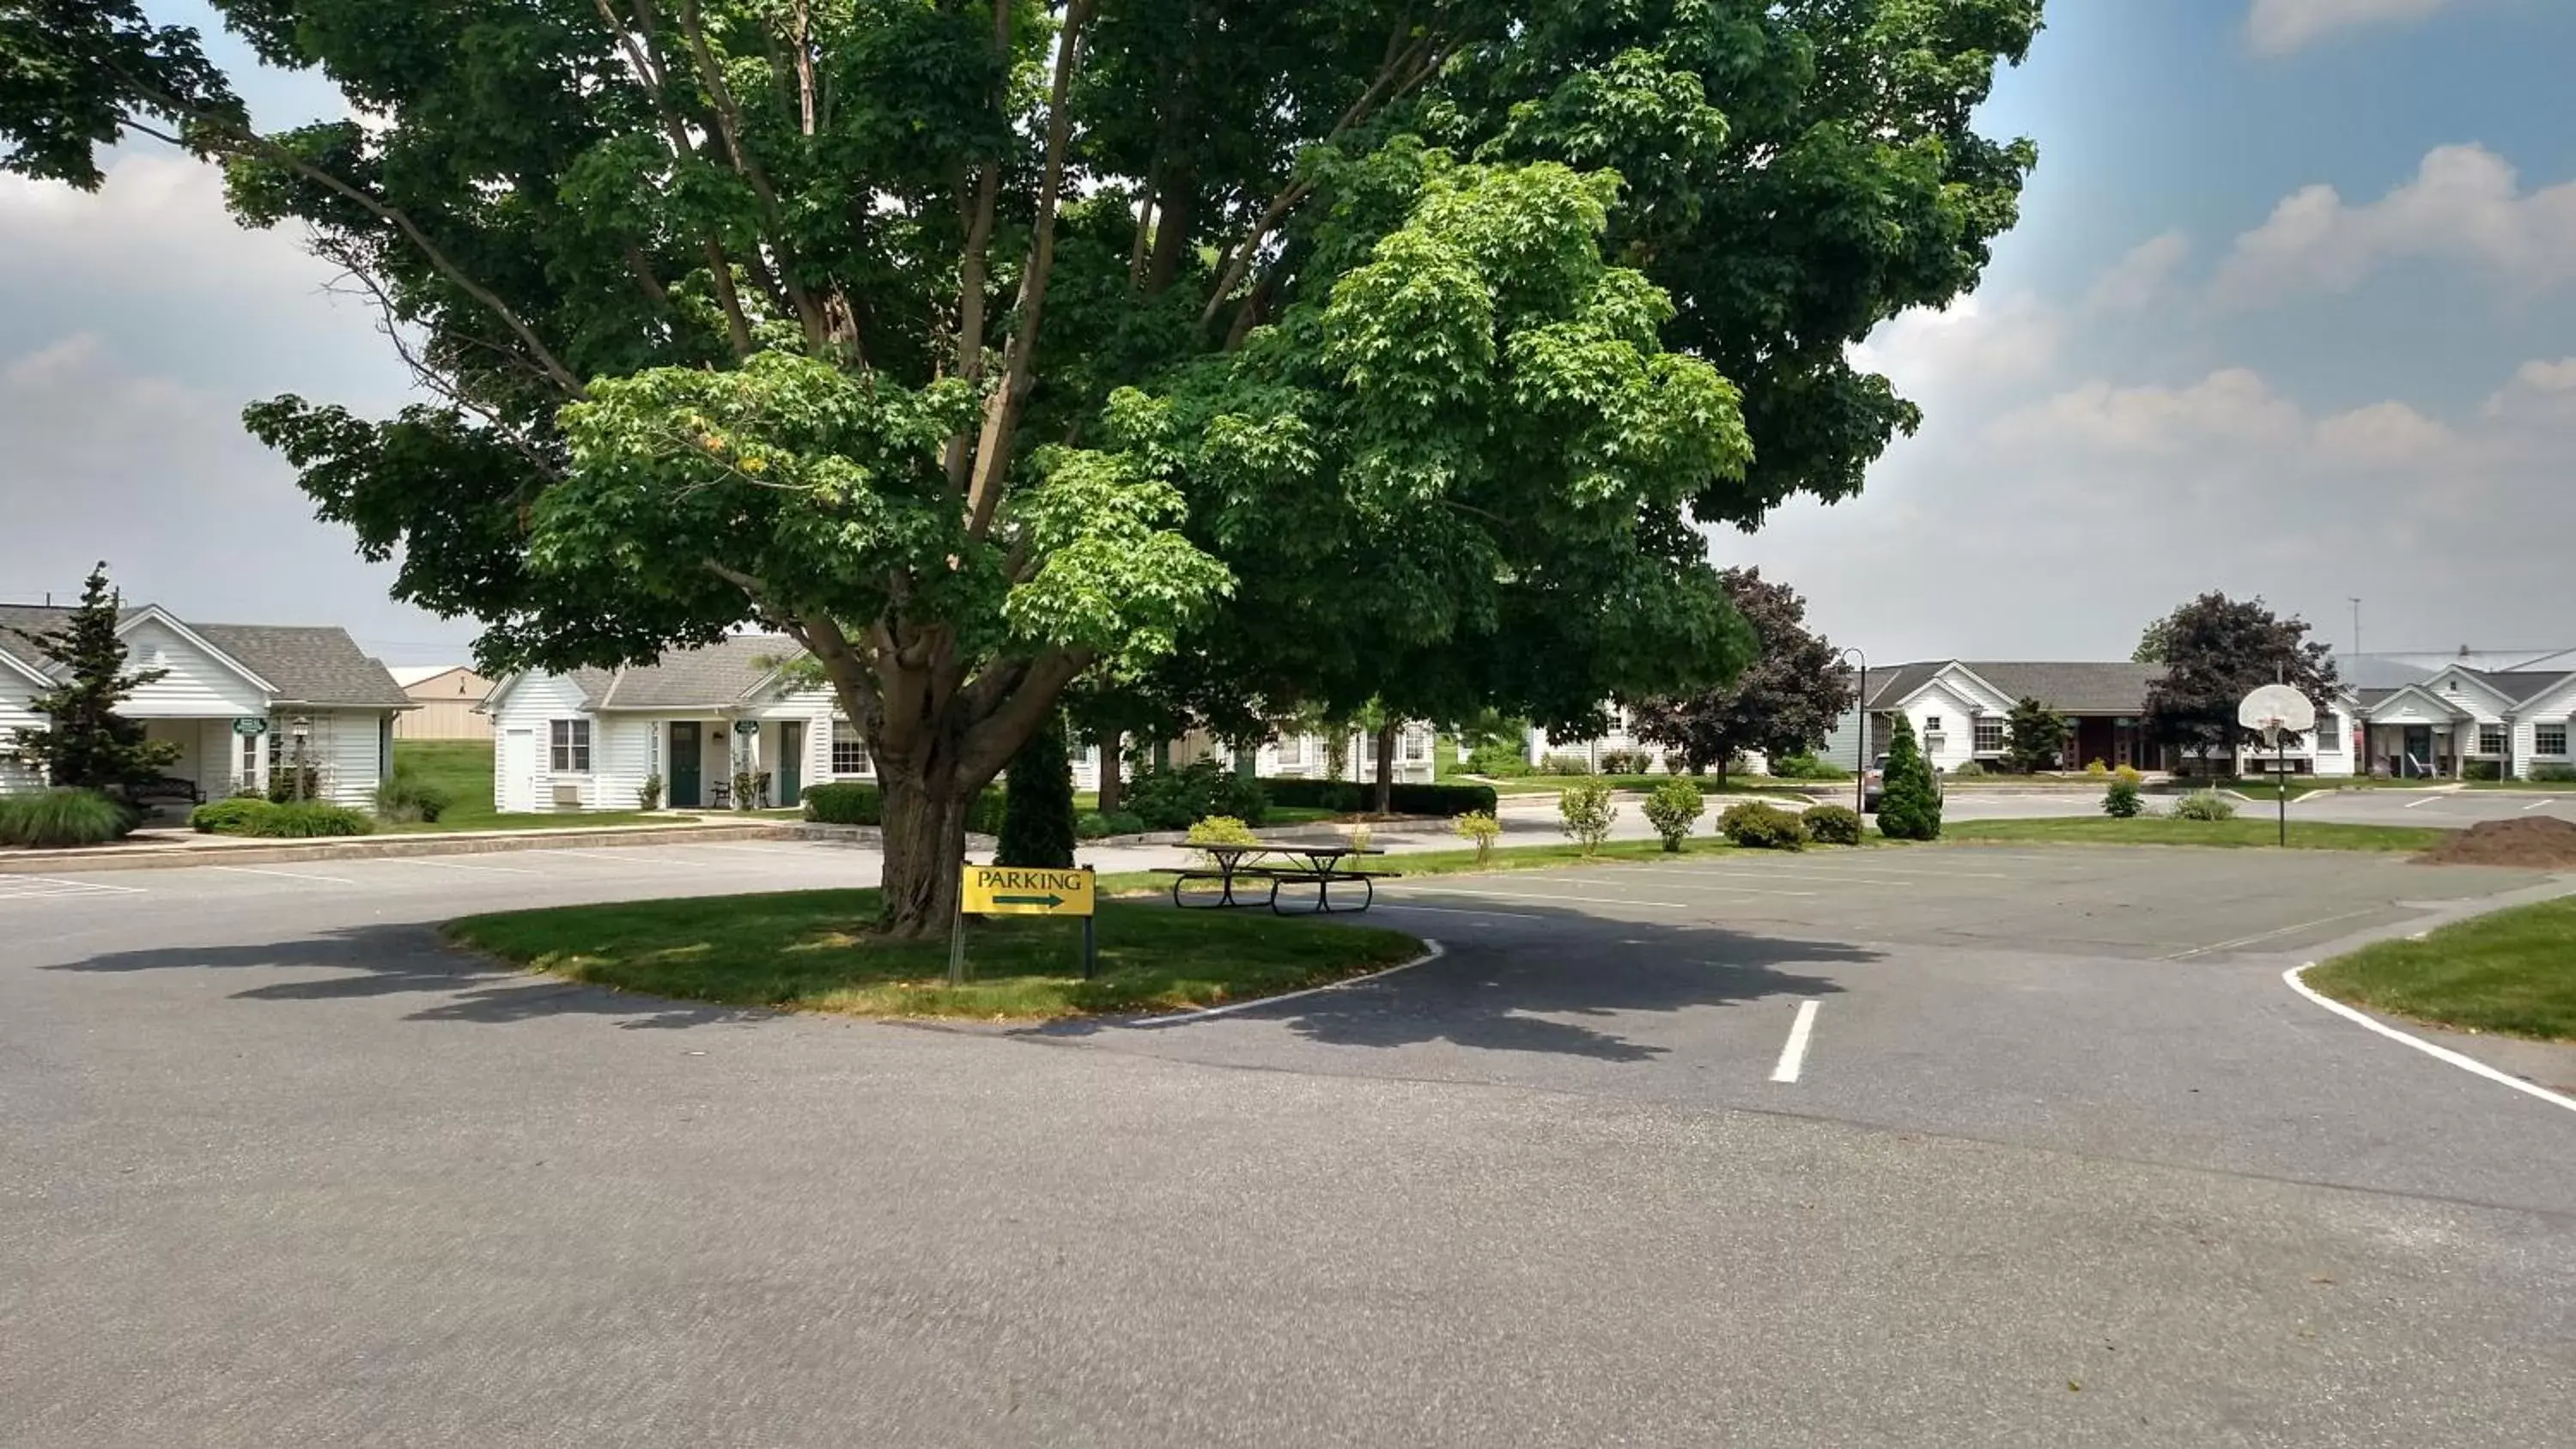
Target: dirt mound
[{"x": 2534, "y": 842}]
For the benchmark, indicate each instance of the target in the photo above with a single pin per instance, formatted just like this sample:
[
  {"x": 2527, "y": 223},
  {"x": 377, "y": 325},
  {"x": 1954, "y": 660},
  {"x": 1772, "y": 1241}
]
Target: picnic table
[{"x": 1274, "y": 866}]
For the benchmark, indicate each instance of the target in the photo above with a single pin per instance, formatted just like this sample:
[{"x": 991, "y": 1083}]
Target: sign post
[{"x": 1003, "y": 890}]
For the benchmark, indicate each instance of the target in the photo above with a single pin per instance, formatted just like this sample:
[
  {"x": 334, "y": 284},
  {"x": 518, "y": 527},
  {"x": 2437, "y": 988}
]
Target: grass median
[
  {"x": 2513, "y": 972},
  {"x": 813, "y": 951},
  {"x": 2160, "y": 830}
]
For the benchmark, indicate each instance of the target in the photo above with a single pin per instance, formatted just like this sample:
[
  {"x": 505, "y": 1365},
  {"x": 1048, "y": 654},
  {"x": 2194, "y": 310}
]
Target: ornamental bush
[
  {"x": 61, "y": 817},
  {"x": 1094, "y": 825},
  {"x": 1807, "y": 767},
  {"x": 306, "y": 819},
  {"x": 1672, "y": 809},
  {"x": 1626, "y": 762},
  {"x": 1174, "y": 799},
  {"x": 406, "y": 797},
  {"x": 1037, "y": 804},
  {"x": 1481, "y": 828},
  {"x": 1909, "y": 802},
  {"x": 1587, "y": 811},
  {"x": 1561, "y": 764},
  {"x": 235, "y": 816},
  {"x": 2121, "y": 801},
  {"x": 1832, "y": 825},
  {"x": 2204, "y": 805},
  {"x": 1755, "y": 825}
]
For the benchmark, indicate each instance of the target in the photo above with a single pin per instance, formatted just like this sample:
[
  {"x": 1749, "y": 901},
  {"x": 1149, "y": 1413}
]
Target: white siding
[
  {"x": 533, "y": 703},
  {"x": 196, "y": 687},
  {"x": 349, "y": 745},
  {"x": 1955, "y": 708},
  {"x": 15, "y": 715},
  {"x": 2553, "y": 707}
]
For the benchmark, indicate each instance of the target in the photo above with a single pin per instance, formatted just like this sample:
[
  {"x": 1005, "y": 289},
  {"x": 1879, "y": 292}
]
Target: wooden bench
[{"x": 164, "y": 787}]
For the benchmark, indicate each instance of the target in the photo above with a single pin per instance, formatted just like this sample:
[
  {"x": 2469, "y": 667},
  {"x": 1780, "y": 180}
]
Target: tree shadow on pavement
[
  {"x": 1513, "y": 988},
  {"x": 406, "y": 959}
]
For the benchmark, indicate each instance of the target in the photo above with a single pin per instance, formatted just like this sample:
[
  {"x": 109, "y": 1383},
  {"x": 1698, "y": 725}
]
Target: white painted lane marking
[
  {"x": 2427, "y": 800},
  {"x": 283, "y": 874},
  {"x": 2443, "y": 1053},
  {"x": 622, "y": 857},
  {"x": 29, "y": 887},
  {"x": 2268, "y": 935},
  {"x": 1787, "y": 871},
  {"x": 1431, "y": 951},
  {"x": 460, "y": 865},
  {"x": 2538, "y": 805},
  {"x": 1439, "y": 891},
  {"x": 748, "y": 849},
  {"x": 1793, "y": 1053},
  {"x": 1459, "y": 911}
]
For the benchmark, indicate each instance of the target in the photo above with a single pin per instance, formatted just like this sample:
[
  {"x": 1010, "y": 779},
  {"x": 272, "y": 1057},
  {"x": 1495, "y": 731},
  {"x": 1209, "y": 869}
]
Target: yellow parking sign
[{"x": 996, "y": 890}]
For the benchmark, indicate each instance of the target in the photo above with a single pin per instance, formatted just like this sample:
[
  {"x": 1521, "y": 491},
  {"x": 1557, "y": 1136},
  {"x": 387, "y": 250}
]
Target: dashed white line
[
  {"x": 283, "y": 874},
  {"x": 460, "y": 865},
  {"x": 746, "y": 849},
  {"x": 2420, "y": 804},
  {"x": 2441, "y": 1053},
  {"x": 2538, "y": 805},
  {"x": 33, "y": 887},
  {"x": 622, "y": 858},
  {"x": 1460, "y": 911},
  {"x": 1793, "y": 1053}
]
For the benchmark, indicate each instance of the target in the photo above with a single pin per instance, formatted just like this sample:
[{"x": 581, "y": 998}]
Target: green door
[
  {"x": 685, "y": 790},
  {"x": 791, "y": 761}
]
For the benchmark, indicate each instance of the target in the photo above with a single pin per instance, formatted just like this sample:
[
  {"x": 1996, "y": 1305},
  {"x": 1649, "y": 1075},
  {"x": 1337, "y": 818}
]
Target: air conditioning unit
[{"x": 567, "y": 797}]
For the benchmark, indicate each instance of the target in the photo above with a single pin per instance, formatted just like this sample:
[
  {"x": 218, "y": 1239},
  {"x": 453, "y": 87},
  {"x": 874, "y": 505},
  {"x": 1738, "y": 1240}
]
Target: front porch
[{"x": 726, "y": 762}]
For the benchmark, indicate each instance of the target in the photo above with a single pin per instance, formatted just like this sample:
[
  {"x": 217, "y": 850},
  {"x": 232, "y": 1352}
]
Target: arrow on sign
[{"x": 1048, "y": 901}]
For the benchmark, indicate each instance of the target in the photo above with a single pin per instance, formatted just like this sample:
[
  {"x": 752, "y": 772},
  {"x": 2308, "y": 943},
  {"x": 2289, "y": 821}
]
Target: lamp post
[{"x": 1860, "y": 721}]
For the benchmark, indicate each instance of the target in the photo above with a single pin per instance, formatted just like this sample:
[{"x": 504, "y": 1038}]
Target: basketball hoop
[{"x": 2277, "y": 711}]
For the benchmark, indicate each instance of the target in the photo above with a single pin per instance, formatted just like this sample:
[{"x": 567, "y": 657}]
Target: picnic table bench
[{"x": 1273, "y": 866}]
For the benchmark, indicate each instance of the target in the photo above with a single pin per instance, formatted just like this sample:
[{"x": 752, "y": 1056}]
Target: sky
[{"x": 2291, "y": 312}]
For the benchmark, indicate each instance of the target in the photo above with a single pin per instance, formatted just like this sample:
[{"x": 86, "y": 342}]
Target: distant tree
[
  {"x": 1037, "y": 804},
  {"x": 85, "y": 742},
  {"x": 1909, "y": 802},
  {"x": 2154, "y": 642},
  {"x": 2034, "y": 736},
  {"x": 1783, "y": 703},
  {"x": 2216, "y": 650}
]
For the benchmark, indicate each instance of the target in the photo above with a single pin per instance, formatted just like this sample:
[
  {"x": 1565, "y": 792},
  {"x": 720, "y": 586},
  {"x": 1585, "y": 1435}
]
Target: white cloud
[
  {"x": 2233, "y": 406},
  {"x": 2138, "y": 279},
  {"x": 1978, "y": 341},
  {"x": 2277, "y": 27},
  {"x": 2464, "y": 204},
  {"x": 2382, "y": 435}
]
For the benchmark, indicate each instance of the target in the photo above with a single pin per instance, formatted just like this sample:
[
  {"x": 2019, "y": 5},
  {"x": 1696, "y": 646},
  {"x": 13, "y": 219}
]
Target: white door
[{"x": 518, "y": 767}]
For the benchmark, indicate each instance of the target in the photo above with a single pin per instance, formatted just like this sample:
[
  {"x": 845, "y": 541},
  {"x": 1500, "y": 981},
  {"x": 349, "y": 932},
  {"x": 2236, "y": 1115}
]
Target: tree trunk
[
  {"x": 924, "y": 848},
  {"x": 1111, "y": 741},
  {"x": 1721, "y": 772},
  {"x": 1386, "y": 768}
]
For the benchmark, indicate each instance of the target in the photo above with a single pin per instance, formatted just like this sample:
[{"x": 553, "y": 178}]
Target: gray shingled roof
[
  {"x": 308, "y": 664},
  {"x": 2519, "y": 684},
  {"x": 710, "y": 677},
  {"x": 2074, "y": 687}
]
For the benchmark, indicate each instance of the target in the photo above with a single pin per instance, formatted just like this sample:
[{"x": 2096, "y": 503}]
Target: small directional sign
[{"x": 993, "y": 890}]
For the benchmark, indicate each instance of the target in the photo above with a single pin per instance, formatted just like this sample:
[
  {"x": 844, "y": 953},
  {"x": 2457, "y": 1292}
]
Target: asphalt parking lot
[{"x": 1937, "y": 1146}]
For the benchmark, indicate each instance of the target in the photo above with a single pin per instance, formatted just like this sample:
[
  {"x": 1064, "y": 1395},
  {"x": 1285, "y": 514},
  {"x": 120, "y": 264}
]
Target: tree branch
[
  {"x": 991, "y": 741},
  {"x": 1002, "y": 405},
  {"x": 729, "y": 127}
]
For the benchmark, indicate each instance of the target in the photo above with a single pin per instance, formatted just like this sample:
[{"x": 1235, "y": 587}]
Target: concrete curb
[{"x": 376, "y": 847}]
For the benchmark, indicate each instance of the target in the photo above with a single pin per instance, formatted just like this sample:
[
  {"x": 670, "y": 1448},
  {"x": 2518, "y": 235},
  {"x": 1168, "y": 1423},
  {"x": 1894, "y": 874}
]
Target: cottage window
[
  {"x": 1416, "y": 746},
  {"x": 571, "y": 746},
  {"x": 849, "y": 750},
  {"x": 1292, "y": 752},
  {"x": 2491, "y": 739},
  {"x": 2549, "y": 739},
  {"x": 1990, "y": 733}
]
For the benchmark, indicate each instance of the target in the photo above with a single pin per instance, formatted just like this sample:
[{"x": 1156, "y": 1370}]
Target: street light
[{"x": 1860, "y": 720}]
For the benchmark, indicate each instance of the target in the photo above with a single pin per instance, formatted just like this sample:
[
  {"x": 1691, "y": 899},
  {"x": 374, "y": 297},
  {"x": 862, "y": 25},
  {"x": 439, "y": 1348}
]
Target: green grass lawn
[
  {"x": 2245, "y": 830},
  {"x": 1514, "y": 857},
  {"x": 463, "y": 768},
  {"x": 2512, "y": 972},
  {"x": 812, "y": 951}
]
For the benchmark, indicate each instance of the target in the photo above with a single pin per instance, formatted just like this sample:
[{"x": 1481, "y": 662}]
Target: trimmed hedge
[
  {"x": 848, "y": 802},
  {"x": 304, "y": 820},
  {"x": 1832, "y": 824},
  {"x": 1352, "y": 796},
  {"x": 1757, "y": 826},
  {"x": 229, "y": 817}
]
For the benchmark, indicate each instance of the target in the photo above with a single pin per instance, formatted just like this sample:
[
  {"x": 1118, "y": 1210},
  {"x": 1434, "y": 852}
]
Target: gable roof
[
  {"x": 2424, "y": 692},
  {"x": 711, "y": 676},
  {"x": 298, "y": 664},
  {"x": 2519, "y": 686},
  {"x": 2076, "y": 687}
]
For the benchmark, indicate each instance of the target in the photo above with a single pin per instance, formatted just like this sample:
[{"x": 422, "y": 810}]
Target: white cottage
[{"x": 241, "y": 701}]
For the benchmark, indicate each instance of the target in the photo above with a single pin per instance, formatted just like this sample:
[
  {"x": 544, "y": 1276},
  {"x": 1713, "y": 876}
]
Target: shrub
[
  {"x": 1755, "y": 825},
  {"x": 848, "y": 802},
  {"x": 305, "y": 819},
  {"x": 236, "y": 816},
  {"x": 62, "y": 816},
  {"x": 1969, "y": 769},
  {"x": 294, "y": 782},
  {"x": 746, "y": 789},
  {"x": 2097, "y": 770},
  {"x": 1626, "y": 762},
  {"x": 2482, "y": 770},
  {"x": 406, "y": 797},
  {"x": 1221, "y": 830},
  {"x": 2127, "y": 774},
  {"x": 2121, "y": 801},
  {"x": 1175, "y": 799},
  {"x": 1807, "y": 767},
  {"x": 1565, "y": 765},
  {"x": 1037, "y": 804},
  {"x": 2204, "y": 805},
  {"x": 1909, "y": 802},
  {"x": 1347, "y": 797},
  {"x": 648, "y": 796},
  {"x": 1498, "y": 760},
  {"x": 1671, "y": 809},
  {"x": 1482, "y": 828},
  {"x": 2554, "y": 774},
  {"x": 1832, "y": 824},
  {"x": 1093, "y": 825},
  {"x": 1587, "y": 811}
]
